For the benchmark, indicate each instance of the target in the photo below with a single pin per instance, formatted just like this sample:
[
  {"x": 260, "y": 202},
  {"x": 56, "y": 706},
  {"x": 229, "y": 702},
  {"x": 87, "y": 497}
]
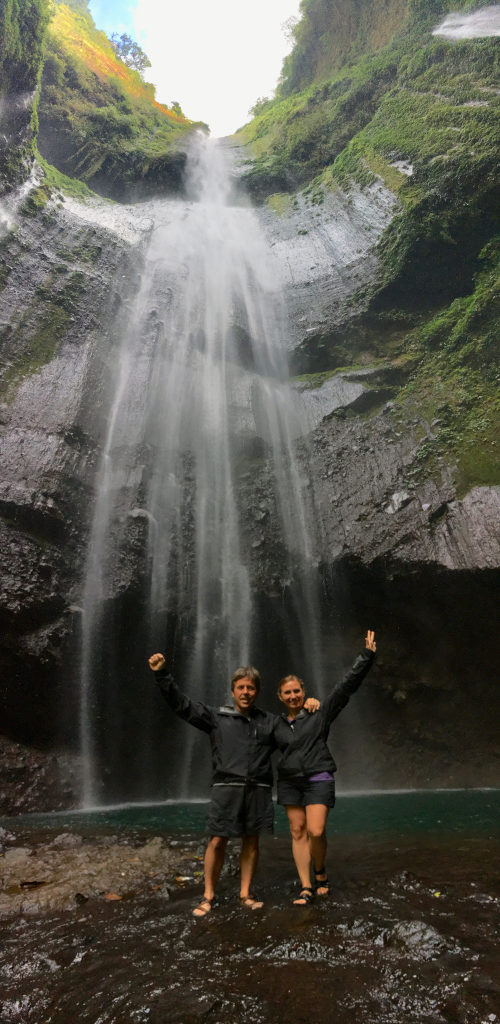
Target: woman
[{"x": 306, "y": 785}]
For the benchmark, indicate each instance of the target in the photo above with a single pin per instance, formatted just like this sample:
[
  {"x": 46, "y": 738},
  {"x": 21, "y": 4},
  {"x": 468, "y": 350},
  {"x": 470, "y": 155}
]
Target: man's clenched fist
[{"x": 156, "y": 661}]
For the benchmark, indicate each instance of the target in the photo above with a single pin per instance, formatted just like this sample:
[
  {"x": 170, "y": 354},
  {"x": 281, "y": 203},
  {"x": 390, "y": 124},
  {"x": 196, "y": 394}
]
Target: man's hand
[
  {"x": 312, "y": 705},
  {"x": 156, "y": 662},
  {"x": 370, "y": 641}
]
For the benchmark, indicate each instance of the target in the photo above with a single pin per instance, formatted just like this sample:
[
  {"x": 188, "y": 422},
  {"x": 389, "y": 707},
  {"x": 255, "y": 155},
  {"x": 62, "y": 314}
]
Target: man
[{"x": 242, "y": 741}]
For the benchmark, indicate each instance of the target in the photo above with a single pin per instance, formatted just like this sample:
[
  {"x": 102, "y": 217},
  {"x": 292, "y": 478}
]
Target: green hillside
[
  {"x": 368, "y": 92},
  {"x": 99, "y": 121}
]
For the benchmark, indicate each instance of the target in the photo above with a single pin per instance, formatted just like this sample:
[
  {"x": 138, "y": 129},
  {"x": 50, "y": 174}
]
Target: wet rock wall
[
  {"x": 398, "y": 548},
  {"x": 64, "y": 283}
]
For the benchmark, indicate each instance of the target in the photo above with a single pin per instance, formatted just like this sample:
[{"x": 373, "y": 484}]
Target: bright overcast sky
[{"x": 215, "y": 57}]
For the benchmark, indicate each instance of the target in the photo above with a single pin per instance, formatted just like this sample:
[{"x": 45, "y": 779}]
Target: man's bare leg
[
  {"x": 214, "y": 859},
  {"x": 249, "y": 858}
]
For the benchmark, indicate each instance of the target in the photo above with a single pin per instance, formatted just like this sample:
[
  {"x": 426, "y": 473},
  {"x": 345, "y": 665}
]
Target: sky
[{"x": 214, "y": 57}]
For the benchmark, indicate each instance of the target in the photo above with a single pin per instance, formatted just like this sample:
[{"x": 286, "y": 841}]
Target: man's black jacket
[
  {"x": 241, "y": 745},
  {"x": 304, "y": 741}
]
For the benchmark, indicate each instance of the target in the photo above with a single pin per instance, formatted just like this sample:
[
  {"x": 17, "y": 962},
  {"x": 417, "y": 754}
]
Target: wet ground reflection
[{"x": 409, "y": 934}]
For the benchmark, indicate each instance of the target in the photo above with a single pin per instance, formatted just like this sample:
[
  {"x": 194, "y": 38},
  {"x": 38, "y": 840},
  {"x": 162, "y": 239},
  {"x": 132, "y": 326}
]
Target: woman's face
[{"x": 292, "y": 695}]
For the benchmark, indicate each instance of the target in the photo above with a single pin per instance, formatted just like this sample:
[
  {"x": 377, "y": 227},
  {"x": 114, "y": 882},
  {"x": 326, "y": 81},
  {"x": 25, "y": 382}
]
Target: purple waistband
[{"x": 321, "y": 777}]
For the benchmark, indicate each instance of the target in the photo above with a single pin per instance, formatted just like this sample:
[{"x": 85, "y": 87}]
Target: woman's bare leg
[
  {"x": 316, "y": 815},
  {"x": 300, "y": 843}
]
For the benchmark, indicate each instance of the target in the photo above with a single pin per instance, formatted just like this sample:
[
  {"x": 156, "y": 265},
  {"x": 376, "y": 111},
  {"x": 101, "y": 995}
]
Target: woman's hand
[
  {"x": 370, "y": 641},
  {"x": 156, "y": 662},
  {"x": 312, "y": 704}
]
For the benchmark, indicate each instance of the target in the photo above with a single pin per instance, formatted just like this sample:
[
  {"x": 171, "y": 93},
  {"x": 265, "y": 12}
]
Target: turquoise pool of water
[{"x": 456, "y": 811}]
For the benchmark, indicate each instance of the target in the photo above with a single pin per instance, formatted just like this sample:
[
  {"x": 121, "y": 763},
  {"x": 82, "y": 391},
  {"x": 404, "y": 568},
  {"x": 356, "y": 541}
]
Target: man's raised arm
[{"x": 197, "y": 714}]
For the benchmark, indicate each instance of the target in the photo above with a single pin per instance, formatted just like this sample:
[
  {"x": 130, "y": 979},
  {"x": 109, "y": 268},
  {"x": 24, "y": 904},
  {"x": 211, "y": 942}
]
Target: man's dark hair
[{"x": 246, "y": 672}]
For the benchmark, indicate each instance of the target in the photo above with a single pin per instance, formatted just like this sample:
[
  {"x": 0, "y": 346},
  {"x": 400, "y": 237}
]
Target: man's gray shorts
[{"x": 240, "y": 810}]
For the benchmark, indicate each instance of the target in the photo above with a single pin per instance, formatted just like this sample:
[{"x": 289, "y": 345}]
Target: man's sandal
[
  {"x": 204, "y": 907},
  {"x": 321, "y": 883},
  {"x": 251, "y": 903},
  {"x": 305, "y": 896}
]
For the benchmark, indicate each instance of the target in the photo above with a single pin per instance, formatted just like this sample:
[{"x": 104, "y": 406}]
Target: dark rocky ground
[
  {"x": 99, "y": 929},
  {"x": 36, "y": 780}
]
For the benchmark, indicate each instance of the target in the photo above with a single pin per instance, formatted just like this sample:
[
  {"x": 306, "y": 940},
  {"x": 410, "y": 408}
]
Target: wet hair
[
  {"x": 246, "y": 672},
  {"x": 288, "y": 679}
]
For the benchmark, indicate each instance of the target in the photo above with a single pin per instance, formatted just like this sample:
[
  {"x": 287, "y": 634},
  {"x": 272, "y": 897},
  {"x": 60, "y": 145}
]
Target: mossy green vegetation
[
  {"x": 36, "y": 200},
  {"x": 280, "y": 202},
  {"x": 331, "y": 35},
  {"x": 37, "y": 335},
  {"x": 39, "y": 346},
  {"x": 23, "y": 25},
  {"x": 312, "y": 381},
  {"x": 414, "y": 103},
  {"x": 296, "y": 138},
  {"x": 85, "y": 253},
  {"x": 99, "y": 121},
  {"x": 62, "y": 185},
  {"x": 22, "y": 30},
  {"x": 456, "y": 384},
  {"x": 418, "y": 102},
  {"x": 5, "y": 272}
]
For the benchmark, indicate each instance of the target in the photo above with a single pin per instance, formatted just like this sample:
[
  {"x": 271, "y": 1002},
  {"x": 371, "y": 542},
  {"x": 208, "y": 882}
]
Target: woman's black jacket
[{"x": 304, "y": 741}]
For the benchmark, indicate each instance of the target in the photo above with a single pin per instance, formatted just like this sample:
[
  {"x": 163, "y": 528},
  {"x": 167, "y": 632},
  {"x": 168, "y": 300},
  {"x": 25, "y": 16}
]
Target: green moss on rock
[
  {"x": 38, "y": 348},
  {"x": 427, "y": 103},
  {"x": 62, "y": 183},
  {"x": 456, "y": 385},
  {"x": 36, "y": 200},
  {"x": 23, "y": 25},
  {"x": 22, "y": 30}
]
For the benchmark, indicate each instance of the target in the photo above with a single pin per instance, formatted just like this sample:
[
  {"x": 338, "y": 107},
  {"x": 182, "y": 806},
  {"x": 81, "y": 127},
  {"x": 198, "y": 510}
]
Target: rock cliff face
[
  {"x": 401, "y": 544},
  {"x": 398, "y": 547},
  {"x": 65, "y": 280},
  {"x": 398, "y": 459}
]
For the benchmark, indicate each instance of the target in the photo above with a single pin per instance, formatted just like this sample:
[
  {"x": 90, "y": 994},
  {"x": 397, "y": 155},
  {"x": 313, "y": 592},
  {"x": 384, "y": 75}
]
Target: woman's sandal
[
  {"x": 251, "y": 903},
  {"x": 305, "y": 896},
  {"x": 204, "y": 907},
  {"x": 321, "y": 883}
]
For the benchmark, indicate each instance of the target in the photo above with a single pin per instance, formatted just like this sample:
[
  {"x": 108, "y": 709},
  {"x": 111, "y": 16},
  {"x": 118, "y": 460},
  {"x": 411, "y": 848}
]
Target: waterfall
[{"x": 200, "y": 394}]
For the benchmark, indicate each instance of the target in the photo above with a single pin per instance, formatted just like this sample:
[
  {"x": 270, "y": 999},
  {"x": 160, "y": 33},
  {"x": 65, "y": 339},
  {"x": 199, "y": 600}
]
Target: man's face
[{"x": 244, "y": 695}]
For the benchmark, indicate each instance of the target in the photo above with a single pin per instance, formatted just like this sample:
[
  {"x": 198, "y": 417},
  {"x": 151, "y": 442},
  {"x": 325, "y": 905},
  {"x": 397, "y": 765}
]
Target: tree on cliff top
[{"x": 130, "y": 52}]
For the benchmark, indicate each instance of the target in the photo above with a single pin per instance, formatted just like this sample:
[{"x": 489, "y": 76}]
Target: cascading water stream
[{"x": 201, "y": 384}]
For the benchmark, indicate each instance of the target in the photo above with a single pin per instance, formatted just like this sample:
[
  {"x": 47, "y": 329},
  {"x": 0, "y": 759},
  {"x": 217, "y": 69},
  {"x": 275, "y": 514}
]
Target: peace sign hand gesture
[{"x": 370, "y": 641}]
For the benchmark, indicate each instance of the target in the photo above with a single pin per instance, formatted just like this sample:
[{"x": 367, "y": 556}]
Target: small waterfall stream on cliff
[{"x": 200, "y": 395}]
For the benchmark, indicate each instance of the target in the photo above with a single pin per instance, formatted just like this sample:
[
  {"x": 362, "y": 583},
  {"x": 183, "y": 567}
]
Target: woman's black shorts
[
  {"x": 244, "y": 810},
  {"x": 298, "y": 792}
]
